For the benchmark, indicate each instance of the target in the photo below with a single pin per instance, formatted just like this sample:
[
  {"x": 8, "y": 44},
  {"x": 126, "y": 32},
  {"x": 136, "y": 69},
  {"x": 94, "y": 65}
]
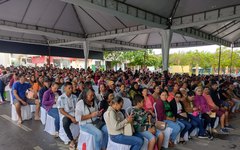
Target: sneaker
[
  {"x": 214, "y": 130},
  {"x": 202, "y": 136},
  {"x": 229, "y": 127},
  {"x": 210, "y": 137},
  {"x": 224, "y": 131}
]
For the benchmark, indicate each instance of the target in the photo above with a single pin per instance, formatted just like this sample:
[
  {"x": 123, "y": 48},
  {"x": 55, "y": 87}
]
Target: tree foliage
[
  {"x": 204, "y": 59},
  {"x": 134, "y": 58}
]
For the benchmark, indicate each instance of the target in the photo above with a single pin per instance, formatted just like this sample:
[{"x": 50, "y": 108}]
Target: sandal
[
  {"x": 182, "y": 142},
  {"x": 72, "y": 146},
  {"x": 170, "y": 144}
]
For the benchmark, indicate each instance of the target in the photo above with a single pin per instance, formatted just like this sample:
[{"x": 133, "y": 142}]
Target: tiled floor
[{"x": 32, "y": 137}]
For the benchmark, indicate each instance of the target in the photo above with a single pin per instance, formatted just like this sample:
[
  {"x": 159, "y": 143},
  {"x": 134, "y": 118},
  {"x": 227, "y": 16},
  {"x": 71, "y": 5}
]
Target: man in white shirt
[{"x": 66, "y": 105}]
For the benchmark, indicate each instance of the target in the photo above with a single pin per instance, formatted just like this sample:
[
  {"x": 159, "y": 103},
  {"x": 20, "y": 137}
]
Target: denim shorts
[
  {"x": 148, "y": 135},
  {"x": 28, "y": 101}
]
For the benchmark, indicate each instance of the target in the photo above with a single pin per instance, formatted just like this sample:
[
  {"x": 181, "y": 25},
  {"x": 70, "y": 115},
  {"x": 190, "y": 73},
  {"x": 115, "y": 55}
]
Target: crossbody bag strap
[{"x": 88, "y": 110}]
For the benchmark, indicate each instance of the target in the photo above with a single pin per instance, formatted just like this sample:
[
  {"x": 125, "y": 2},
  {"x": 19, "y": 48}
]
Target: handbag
[
  {"x": 160, "y": 125},
  {"x": 212, "y": 115},
  {"x": 183, "y": 114},
  {"x": 128, "y": 130},
  {"x": 98, "y": 123}
]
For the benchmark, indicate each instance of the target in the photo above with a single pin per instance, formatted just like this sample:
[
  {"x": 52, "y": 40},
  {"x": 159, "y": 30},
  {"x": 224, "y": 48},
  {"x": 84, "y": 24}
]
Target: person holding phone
[
  {"x": 104, "y": 104},
  {"x": 115, "y": 122},
  {"x": 87, "y": 114},
  {"x": 143, "y": 124}
]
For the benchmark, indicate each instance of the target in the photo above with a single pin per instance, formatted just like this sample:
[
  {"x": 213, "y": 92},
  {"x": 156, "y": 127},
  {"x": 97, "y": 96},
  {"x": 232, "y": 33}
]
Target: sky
[{"x": 210, "y": 48}]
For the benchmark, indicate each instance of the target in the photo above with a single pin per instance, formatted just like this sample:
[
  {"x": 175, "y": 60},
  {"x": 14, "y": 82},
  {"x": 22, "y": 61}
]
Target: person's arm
[
  {"x": 114, "y": 123},
  {"x": 160, "y": 110},
  {"x": 46, "y": 101},
  {"x": 40, "y": 93},
  {"x": 89, "y": 116},
  {"x": 63, "y": 112},
  {"x": 17, "y": 97},
  {"x": 79, "y": 112},
  {"x": 173, "y": 106}
]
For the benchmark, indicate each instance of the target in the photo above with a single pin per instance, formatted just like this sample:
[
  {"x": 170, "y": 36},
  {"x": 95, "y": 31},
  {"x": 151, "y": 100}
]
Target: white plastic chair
[
  {"x": 194, "y": 132},
  {"x": 25, "y": 112},
  {"x": 167, "y": 133},
  {"x": 50, "y": 126},
  {"x": 95, "y": 88},
  {"x": 126, "y": 103},
  {"x": 145, "y": 144},
  {"x": 33, "y": 108},
  {"x": 43, "y": 115},
  {"x": 129, "y": 110},
  {"x": 112, "y": 145},
  {"x": 87, "y": 139},
  {"x": 216, "y": 122},
  {"x": 62, "y": 134}
]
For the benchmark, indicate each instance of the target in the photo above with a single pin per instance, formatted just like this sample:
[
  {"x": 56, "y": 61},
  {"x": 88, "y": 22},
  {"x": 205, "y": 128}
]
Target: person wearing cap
[
  {"x": 112, "y": 86},
  {"x": 234, "y": 98},
  {"x": 236, "y": 89},
  {"x": 218, "y": 101},
  {"x": 46, "y": 84},
  {"x": 89, "y": 79}
]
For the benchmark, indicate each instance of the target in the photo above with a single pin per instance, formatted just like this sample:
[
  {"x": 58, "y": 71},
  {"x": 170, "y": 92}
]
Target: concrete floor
[{"x": 32, "y": 137}]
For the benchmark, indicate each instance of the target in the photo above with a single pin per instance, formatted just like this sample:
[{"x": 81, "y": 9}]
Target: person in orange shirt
[{"x": 38, "y": 85}]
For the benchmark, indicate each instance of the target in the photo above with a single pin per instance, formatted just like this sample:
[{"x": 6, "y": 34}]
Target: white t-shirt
[
  {"x": 67, "y": 103},
  {"x": 82, "y": 109}
]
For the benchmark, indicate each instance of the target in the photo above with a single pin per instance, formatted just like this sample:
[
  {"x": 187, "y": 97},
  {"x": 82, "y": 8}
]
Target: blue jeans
[
  {"x": 175, "y": 129},
  {"x": 105, "y": 136},
  {"x": 197, "y": 123},
  {"x": 185, "y": 126},
  {"x": 53, "y": 112},
  {"x": 2, "y": 89},
  {"x": 135, "y": 142},
  {"x": 148, "y": 135},
  {"x": 97, "y": 134}
]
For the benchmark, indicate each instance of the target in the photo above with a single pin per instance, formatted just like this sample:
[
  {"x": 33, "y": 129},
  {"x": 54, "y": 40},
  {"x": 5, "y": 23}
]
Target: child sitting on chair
[{"x": 143, "y": 125}]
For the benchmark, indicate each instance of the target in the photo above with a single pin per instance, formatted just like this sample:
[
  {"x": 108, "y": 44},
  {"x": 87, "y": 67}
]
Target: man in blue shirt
[{"x": 19, "y": 90}]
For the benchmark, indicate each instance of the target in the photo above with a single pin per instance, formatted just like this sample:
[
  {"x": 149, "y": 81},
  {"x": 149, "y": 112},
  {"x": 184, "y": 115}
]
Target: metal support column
[
  {"x": 232, "y": 45},
  {"x": 219, "y": 58},
  {"x": 86, "y": 53},
  {"x": 49, "y": 56},
  {"x": 166, "y": 42}
]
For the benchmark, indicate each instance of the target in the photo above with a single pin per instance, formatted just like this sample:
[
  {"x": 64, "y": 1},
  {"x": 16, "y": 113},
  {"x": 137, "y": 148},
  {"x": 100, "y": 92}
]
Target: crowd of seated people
[{"x": 183, "y": 102}]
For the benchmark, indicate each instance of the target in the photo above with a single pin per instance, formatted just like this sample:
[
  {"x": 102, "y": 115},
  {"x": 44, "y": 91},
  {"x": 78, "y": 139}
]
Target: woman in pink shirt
[
  {"x": 148, "y": 101},
  {"x": 219, "y": 112},
  {"x": 205, "y": 111}
]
